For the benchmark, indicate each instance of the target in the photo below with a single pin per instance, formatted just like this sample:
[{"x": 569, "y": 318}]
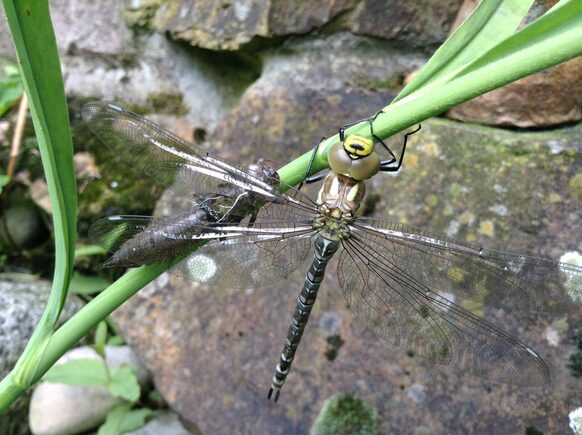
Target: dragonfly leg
[
  {"x": 385, "y": 165},
  {"x": 315, "y": 178},
  {"x": 370, "y": 120}
]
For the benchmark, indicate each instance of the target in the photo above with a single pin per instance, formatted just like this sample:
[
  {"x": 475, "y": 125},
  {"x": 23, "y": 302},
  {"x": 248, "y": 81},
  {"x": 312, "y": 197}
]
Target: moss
[
  {"x": 334, "y": 342},
  {"x": 575, "y": 361},
  {"x": 575, "y": 364},
  {"x": 345, "y": 414},
  {"x": 457, "y": 274},
  {"x": 575, "y": 185},
  {"x": 487, "y": 228},
  {"x": 431, "y": 200},
  {"x": 167, "y": 102}
]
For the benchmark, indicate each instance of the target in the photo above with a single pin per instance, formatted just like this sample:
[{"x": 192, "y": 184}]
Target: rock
[
  {"x": 215, "y": 350},
  {"x": 59, "y": 408},
  {"x": 115, "y": 356},
  {"x": 548, "y": 98},
  {"x": 576, "y": 421},
  {"x": 345, "y": 414},
  {"x": 22, "y": 301},
  {"x": 6, "y": 45},
  {"x": 331, "y": 76},
  {"x": 166, "y": 423},
  {"x": 85, "y": 29},
  {"x": 22, "y": 227},
  {"x": 247, "y": 23}
]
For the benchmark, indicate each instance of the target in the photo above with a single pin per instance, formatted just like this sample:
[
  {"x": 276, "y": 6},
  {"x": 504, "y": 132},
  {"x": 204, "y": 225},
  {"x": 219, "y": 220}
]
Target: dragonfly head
[{"x": 354, "y": 157}]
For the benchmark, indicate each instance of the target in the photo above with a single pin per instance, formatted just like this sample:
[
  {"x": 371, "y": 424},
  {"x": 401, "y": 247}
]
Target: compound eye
[
  {"x": 358, "y": 146},
  {"x": 338, "y": 159},
  {"x": 366, "y": 167}
]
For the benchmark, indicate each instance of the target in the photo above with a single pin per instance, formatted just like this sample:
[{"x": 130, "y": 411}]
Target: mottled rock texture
[
  {"x": 232, "y": 25},
  {"x": 261, "y": 78},
  {"x": 497, "y": 188}
]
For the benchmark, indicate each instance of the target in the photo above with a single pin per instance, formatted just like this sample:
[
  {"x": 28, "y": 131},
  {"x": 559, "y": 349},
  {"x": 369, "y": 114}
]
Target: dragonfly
[{"x": 412, "y": 288}]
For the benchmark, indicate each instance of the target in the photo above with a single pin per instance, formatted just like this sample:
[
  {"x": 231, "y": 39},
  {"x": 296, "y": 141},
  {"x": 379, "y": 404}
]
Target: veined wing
[
  {"x": 112, "y": 232},
  {"x": 139, "y": 240},
  {"x": 174, "y": 163},
  {"x": 473, "y": 276},
  {"x": 237, "y": 255},
  {"x": 405, "y": 312},
  {"x": 246, "y": 259},
  {"x": 254, "y": 253}
]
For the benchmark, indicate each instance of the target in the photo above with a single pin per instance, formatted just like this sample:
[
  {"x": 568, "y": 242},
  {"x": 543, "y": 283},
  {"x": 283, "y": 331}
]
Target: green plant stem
[
  {"x": 35, "y": 44},
  {"x": 89, "y": 250},
  {"x": 550, "y": 40},
  {"x": 80, "y": 324}
]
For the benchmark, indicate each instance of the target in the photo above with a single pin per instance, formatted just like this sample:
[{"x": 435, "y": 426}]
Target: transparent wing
[
  {"x": 112, "y": 232},
  {"x": 174, "y": 163},
  {"x": 402, "y": 310},
  {"x": 247, "y": 261},
  {"x": 139, "y": 240},
  {"x": 470, "y": 275},
  {"x": 254, "y": 252}
]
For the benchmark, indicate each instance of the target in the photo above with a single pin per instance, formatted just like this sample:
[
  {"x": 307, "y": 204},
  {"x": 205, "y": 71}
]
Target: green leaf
[
  {"x": 135, "y": 419},
  {"x": 114, "y": 422},
  {"x": 89, "y": 250},
  {"x": 80, "y": 372},
  {"x": 36, "y": 49},
  {"x": 124, "y": 384},
  {"x": 116, "y": 340},
  {"x": 87, "y": 285},
  {"x": 100, "y": 338},
  {"x": 490, "y": 23},
  {"x": 10, "y": 88},
  {"x": 122, "y": 419},
  {"x": 4, "y": 180},
  {"x": 156, "y": 397}
]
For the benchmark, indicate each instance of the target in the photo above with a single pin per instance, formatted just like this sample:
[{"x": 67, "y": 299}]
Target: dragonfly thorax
[{"x": 339, "y": 198}]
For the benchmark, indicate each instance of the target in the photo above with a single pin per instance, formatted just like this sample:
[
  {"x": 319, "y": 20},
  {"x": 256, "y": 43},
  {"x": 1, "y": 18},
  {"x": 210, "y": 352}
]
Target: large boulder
[{"x": 215, "y": 350}]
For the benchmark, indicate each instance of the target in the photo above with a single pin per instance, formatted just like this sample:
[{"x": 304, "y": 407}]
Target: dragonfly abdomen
[{"x": 324, "y": 250}]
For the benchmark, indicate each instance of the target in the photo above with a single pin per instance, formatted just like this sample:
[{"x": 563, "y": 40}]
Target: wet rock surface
[{"x": 213, "y": 350}]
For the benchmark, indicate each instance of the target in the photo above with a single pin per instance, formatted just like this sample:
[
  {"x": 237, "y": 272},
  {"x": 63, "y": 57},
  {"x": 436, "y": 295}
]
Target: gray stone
[
  {"x": 116, "y": 356},
  {"x": 6, "y": 45},
  {"x": 166, "y": 423},
  {"x": 84, "y": 28},
  {"x": 248, "y": 23},
  {"x": 58, "y": 408},
  {"x": 164, "y": 78},
  {"x": 331, "y": 76},
  {"x": 22, "y": 301}
]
